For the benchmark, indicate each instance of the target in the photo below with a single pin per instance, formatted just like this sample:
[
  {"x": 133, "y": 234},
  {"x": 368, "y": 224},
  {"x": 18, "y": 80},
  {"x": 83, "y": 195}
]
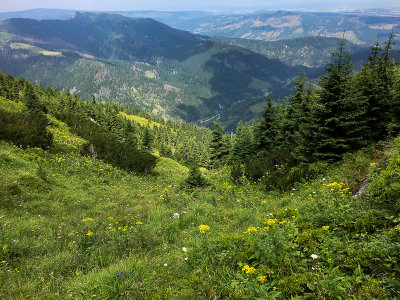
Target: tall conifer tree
[
  {"x": 219, "y": 146},
  {"x": 267, "y": 129},
  {"x": 338, "y": 115}
]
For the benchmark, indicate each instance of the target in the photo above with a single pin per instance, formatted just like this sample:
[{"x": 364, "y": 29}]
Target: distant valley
[
  {"x": 144, "y": 63},
  {"x": 168, "y": 72}
]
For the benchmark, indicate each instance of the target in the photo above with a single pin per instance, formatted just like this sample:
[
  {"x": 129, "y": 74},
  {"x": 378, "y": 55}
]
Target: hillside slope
[
  {"x": 75, "y": 226},
  {"x": 143, "y": 63},
  {"x": 278, "y": 25}
]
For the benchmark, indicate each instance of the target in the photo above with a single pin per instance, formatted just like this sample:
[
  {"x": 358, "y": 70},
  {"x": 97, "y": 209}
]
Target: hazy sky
[{"x": 13, "y": 5}]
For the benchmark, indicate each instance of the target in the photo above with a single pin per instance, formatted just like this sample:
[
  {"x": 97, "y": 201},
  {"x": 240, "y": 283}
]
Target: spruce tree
[
  {"x": 147, "y": 138},
  {"x": 35, "y": 121},
  {"x": 305, "y": 137},
  {"x": 291, "y": 120},
  {"x": 339, "y": 130},
  {"x": 374, "y": 84},
  {"x": 219, "y": 146},
  {"x": 242, "y": 145},
  {"x": 266, "y": 129},
  {"x": 195, "y": 178}
]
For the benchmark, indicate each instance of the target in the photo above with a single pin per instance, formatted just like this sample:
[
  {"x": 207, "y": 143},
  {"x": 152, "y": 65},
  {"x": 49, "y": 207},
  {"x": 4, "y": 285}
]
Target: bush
[
  {"x": 25, "y": 129},
  {"x": 195, "y": 178},
  {"x": 107, "y": 146},
  {"x": 384, "y": 190}
]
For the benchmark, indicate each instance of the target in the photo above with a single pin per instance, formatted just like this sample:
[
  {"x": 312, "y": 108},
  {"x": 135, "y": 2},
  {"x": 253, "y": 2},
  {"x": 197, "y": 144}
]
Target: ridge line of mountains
[{"x": 165, "y": 71}]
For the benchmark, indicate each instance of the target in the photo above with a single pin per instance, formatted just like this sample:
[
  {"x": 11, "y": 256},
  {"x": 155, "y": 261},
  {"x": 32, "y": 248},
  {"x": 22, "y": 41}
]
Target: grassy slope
[
  {"x": 141, "y": 121},
  {"x": 70, "y": 224}
]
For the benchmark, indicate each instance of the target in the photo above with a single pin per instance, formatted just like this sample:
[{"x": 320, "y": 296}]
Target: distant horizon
[
  {"x": 222, "y": 6},
  {"x": 225, "y": 11}
]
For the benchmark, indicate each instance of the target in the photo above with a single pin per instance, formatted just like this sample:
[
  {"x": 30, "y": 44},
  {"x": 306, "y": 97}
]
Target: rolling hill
[
  {"x": 143, "y": 63},
  {"x": 359, "y": 28},
  {"x": 168, "y": 72},
  {"x": 75, "y": 225}
]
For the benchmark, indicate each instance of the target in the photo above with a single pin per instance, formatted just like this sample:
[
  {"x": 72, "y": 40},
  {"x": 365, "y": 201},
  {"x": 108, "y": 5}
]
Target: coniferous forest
[{"x": 101, "y": 200}]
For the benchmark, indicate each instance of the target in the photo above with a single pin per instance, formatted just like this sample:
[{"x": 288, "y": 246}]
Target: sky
[{"x": 210, "y": 5}]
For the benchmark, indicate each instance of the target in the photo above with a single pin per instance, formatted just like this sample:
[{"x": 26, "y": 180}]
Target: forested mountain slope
[
  {"x": 143, "y": 63},
  {"x": 363, "y": 27}
]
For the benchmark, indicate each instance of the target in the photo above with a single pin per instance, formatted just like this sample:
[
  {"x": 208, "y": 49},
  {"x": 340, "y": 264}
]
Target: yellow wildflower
[
  {"x": 262, "y": 278},
  {"x": 203, "y": 228},
  {"x": 139, "y": 223},
  {"x": 248, "y": 269},
  {"x": 271, "y": 221},
  {"x": 90, "y": 233},
  {"x": 325, "y": 227},
  {"x": 251, "y": 230},
  {"x": 87, "y": 219}
]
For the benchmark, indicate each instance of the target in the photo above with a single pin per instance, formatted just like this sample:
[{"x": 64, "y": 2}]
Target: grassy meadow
[{"x": 75, "y": 227}]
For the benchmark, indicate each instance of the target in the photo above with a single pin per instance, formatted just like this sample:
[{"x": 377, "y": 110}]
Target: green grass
[
  {"x": 34, "y": 49},
  {"x": 143, "y": 121},
  {"x": 11, "y": 106},
  {"x": 70, "y": 224}
]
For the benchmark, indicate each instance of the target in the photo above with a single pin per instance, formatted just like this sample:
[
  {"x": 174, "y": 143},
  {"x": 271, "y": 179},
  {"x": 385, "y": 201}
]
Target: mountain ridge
[
  {"x": 144, "y": 63},
  {"x": 363, "y": 27}
]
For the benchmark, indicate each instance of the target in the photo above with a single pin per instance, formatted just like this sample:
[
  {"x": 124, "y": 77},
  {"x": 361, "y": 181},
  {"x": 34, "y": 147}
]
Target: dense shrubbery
[
  {"x": 384, "y": 191},
  {"x": 106, "y": 146},
  {"x": 195, "y": 178},
  {"x": 322, "y": 121},
  {"x": 25, "y": 126},
  {"x": 124, "y": 139}
]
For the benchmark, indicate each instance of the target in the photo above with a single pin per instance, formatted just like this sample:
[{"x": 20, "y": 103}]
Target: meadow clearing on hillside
[{"x": 75, "y": 227}]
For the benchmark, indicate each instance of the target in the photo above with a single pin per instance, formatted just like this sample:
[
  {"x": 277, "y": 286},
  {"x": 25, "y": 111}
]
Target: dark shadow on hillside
[
  {"x": 241, "y": 79},
  {"x": 111, "y": 36},
  {"x": 15, "y": 61},
  {"x": 234, "y": 74}
]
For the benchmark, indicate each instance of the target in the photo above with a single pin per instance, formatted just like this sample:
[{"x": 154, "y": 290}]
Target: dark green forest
[
  {"x": 163, "y": 71},
  {"x": 322, "y": 120}
]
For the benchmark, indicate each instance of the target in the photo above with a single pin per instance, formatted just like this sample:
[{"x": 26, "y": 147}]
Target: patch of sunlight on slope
[
  {"x": 63, "y": 139},
  {"x": 142, "y": 121},
  {"x": 167, "y": 167},
  {"x": 35, "y": 49},
  {"x": 10, "y": 106}
]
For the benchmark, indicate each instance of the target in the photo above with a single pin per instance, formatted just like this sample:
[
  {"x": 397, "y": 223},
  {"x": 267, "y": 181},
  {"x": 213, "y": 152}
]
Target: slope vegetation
[
  {"x": 75, "y": 226},
  {"x": 143, "y": 63}
]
